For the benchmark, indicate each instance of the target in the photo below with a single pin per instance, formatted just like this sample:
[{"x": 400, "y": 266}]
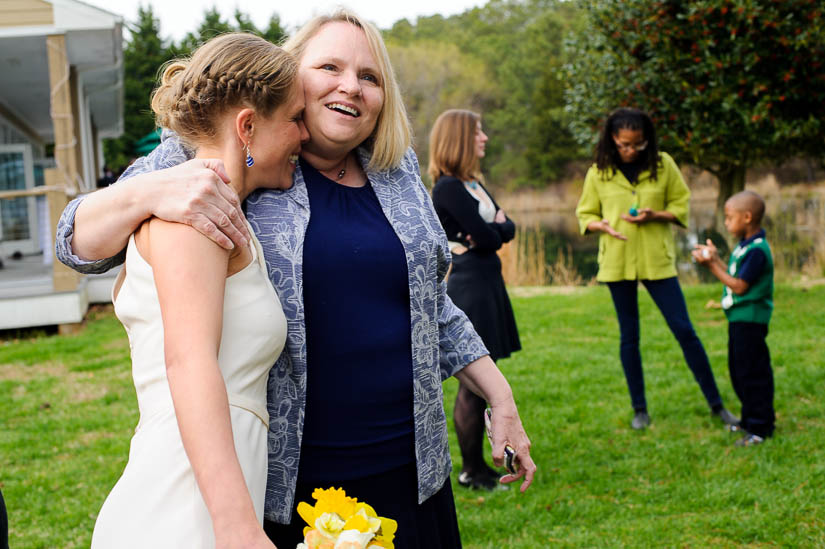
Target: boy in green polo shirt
[{"x": 748, "y": 303}]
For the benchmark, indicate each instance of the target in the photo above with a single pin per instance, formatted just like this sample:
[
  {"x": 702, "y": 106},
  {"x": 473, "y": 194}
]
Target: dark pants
[
  {"x": 667, "y": 294},
  {"x": 394, "y": 494},
  {"x": 749, "y": 362}
]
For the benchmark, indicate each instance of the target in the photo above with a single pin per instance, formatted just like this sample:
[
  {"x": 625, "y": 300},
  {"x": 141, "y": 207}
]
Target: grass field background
[{"x": 67, "y": 410}]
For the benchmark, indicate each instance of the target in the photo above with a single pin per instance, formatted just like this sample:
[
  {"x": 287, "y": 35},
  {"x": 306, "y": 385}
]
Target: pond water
[{"x": 794, "y": 222}]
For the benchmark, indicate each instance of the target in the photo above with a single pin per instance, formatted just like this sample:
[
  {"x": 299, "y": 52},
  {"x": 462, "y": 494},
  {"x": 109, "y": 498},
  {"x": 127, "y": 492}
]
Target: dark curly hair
[{"x": 607, "y": 155}]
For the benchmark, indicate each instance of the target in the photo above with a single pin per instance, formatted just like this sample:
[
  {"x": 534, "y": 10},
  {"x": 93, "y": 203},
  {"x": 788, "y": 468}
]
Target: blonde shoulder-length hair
[
  {"x": 452, "y": 146},
  {"x": 392, "y": 135}
]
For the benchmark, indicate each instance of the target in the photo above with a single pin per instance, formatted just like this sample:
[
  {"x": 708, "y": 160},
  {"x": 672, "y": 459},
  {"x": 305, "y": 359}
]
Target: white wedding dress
[{"x": 156, "y": 503}]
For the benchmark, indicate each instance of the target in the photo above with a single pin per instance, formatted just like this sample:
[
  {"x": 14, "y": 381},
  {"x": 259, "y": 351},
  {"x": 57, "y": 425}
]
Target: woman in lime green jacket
[{"x": 631, "y": 196}]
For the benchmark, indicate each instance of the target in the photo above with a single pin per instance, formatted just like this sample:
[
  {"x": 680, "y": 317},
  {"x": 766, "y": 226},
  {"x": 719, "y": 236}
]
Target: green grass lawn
[{"x": 67, "y": 409}]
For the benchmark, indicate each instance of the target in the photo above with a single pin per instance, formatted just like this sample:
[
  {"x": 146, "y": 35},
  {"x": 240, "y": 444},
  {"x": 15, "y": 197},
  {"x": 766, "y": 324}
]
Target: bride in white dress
[{"x": 204, "y": 324}]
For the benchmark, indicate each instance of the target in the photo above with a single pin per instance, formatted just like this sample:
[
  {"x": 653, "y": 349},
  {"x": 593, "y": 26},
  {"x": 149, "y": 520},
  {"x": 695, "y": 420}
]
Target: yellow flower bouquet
[{"x": 337, "y": 521}]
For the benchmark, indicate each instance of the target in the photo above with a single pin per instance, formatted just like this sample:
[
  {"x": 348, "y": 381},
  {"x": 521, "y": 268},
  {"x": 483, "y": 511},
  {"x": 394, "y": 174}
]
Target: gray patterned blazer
[{"x": 443, "y": 340}]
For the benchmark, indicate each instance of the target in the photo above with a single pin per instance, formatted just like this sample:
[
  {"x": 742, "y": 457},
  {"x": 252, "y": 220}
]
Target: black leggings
[{"x": 468, "y": 415}]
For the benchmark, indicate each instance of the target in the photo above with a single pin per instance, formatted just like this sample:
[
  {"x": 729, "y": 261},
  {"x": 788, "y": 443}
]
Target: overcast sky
[{"x": 177, "y": 17}]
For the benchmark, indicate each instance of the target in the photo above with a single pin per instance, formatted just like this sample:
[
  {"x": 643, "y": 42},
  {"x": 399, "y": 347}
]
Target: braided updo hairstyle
[{"x": 236, "y": 69}]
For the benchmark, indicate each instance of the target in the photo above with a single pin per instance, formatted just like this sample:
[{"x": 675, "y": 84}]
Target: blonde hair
[
  {"x": 227, "y": 71},
  {"x": 392, "y": 135},
  {"x": 452, "y": 145}
]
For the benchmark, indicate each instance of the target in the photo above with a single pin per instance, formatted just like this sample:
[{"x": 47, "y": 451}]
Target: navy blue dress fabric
[{"x": 359, "y": 358}]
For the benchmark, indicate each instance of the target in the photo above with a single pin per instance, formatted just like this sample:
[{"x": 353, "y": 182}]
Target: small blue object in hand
[{"x": 633, "y": 211}]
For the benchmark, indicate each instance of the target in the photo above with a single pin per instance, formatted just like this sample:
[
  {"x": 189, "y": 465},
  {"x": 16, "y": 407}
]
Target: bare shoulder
[{"x": 164, "y": 241}]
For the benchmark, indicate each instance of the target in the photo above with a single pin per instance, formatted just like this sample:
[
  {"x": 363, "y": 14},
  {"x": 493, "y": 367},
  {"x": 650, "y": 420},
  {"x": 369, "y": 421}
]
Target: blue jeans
[{"x": 667, "y": 294}]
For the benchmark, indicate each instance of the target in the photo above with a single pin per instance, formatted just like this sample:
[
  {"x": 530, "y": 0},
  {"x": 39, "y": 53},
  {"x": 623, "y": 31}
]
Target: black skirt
[
  {"x": 475, "y": 285},
  {"x": 394, "y": 495}
]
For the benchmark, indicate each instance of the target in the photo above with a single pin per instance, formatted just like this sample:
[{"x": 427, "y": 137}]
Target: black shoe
[
  {"x": 481, "y": 482},
  {"x": 640, "y": 420},
  {"x": 726, "y": 417}
]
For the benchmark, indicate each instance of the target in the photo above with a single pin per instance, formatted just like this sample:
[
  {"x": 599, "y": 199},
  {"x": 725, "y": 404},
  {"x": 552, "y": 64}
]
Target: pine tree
[
  {"x": 143, "y": 57},
  {"x": 212, "y": 26},
  {"x": 274, "y": 32}
]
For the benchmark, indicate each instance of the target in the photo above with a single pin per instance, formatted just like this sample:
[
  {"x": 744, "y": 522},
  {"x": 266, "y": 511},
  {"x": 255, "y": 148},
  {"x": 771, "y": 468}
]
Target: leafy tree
[
  {"x": 435, "y": 77},
  {"x": 510, "y": 55},
  {"x": 143, "y": 56},
  {"x": 532, "y": 120},
  {"x": 213, "y": 25},
  {"x": 274, "y": 32},
  {"x": 729, "y": 83},
  {"x": 243, "y": 23}
]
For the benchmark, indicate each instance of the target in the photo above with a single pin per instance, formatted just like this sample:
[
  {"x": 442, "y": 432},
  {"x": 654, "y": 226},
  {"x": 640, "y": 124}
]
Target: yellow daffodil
[
  {"x": 386, "y": 534},
  {"x": 384, "y": 543},
  {"x": 370, "y": 512},
  {"x": 334, "y": 500},
  {"x": 337, "y": 521},
  {"x": 362, "y": 522},
  {"x": 329, "y": 524},
  {"x": 388, "y": 527},
  {"x": 307, "y": 512}
]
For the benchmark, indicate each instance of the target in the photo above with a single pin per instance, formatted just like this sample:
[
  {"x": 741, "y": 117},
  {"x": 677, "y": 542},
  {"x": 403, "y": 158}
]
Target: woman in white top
[{"x": 201, "y": 319}]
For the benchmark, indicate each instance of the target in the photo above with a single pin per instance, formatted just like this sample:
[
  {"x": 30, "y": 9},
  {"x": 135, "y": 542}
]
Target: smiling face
[
  {"x": 276, "y": 142},
  {"x": 629, "y": 143},
  {"x": 480, "y": 142},
  {"x": 343, "y": 89}
]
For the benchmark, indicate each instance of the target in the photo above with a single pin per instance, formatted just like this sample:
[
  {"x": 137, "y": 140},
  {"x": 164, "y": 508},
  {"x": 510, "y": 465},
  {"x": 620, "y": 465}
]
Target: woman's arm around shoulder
[
  {"x": 95, "y": 228},
  {"x": 190, "y": 275},
  {"x": 192, "y": 193}
]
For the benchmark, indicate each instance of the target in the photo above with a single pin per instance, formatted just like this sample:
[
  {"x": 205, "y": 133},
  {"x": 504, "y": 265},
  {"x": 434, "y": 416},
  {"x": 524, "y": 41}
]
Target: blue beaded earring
[{"x": 249, "y": 160}]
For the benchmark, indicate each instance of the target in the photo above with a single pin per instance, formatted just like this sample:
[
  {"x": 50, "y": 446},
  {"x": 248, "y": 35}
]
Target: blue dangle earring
[{"x": 249, "y": 160}]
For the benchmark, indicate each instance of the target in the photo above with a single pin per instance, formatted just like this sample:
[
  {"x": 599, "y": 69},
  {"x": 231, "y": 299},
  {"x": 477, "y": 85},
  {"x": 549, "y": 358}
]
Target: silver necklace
[{"x": 343, "y": 170}]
